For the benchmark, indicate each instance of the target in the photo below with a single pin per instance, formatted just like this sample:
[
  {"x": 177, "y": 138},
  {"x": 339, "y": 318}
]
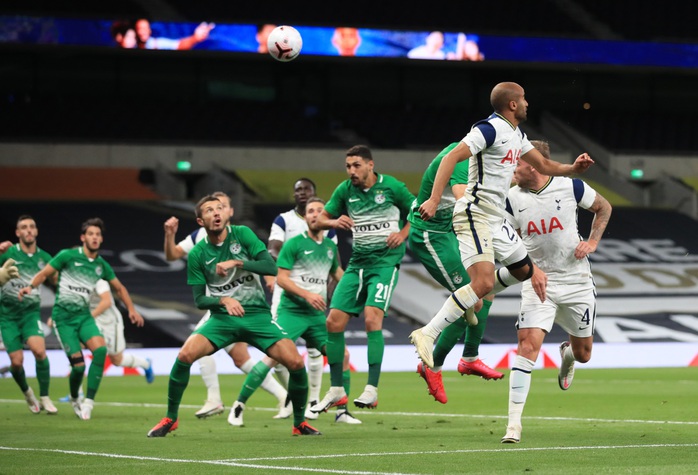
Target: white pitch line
[
  {"x": 412, "y": 414},
  {"x": 462, "y": 451},
  {"x": 229, "y": 463}
]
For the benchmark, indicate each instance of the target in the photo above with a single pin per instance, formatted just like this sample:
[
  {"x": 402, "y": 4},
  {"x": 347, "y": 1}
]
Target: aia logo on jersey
[
  {"x": 554, "y": 224},
  {"x": 512, "y": 157}
]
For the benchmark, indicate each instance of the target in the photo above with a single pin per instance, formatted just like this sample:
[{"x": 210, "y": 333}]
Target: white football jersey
[
  {"x": 291, "y": 224},
  {"x": 547, "y": 220},
  {"x": 496, "y": 146},
  {"x": 188, "y": 243},
  {"x": 111, "y": 314}
]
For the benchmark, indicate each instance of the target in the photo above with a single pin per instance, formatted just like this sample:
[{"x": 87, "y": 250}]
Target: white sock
[
  {"x": 452, "y": 310},
  {"x": 519, "y": 385},
  {"x": 502, "y": 280},
  {"x": 273, "y": 387},
  {"x": 129, "y": 360},
  {"x": 315, "y": 366},
  {"x": 282, "y": 374},
  {"x": 210, "y": 376},
  {"x": 247, "y": 366}
]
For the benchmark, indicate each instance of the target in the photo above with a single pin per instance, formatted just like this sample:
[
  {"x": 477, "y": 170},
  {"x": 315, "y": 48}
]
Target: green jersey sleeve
[
  {"x": 337, "y": 202},
  {"x": 108, "y": 271},
  {"x": 61, "y": 259},
  {"x": 250, "y": 240},
  {"x": 195, "y": 271},
  {"x": 335, "y": 261},
  {"x": 287, "y": 256}
]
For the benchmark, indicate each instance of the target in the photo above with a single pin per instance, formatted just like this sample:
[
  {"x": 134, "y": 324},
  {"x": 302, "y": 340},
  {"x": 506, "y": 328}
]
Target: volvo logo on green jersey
[
  {"x": 372, "y": 227},
  {"x": 232, "y": 284}
]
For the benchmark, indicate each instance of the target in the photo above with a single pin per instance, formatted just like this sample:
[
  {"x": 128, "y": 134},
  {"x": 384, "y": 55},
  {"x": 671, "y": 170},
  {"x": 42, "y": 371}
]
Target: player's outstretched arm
[
  {"x": 553, "y": 168},
  {"x": 103, "y": 305},
  {"x": 172, "y": 250},
  {"x": 262, "y": 264},
  {"x": 37, "y": 280},
  {"x": 121, "y": 292}
]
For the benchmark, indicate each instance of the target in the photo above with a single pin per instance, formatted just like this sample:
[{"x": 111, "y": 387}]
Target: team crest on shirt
[
  {"x": 330, "y": 254},
  {"x": 235, "y": 248},
  {"x": 379, "y": 198},
  {"x": 41, "y": 264},
  {"x": 457, "y": 278},
  {"x": 98, "y": 270}
]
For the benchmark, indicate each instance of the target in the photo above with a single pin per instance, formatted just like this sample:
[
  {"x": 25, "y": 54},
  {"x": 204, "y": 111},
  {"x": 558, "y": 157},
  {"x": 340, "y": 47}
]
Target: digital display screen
[{"x": 344, "y": 41}]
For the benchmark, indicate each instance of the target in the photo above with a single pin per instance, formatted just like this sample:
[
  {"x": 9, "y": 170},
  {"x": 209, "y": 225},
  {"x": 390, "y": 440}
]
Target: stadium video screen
[{"x": 344, "y": 41}]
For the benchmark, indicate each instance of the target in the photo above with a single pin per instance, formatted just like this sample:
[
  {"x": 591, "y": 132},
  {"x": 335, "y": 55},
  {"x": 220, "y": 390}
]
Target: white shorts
[
  {"x": 111, "y": 325},
  {"x": 484, "y": 237},
  {"x": 572, "y": 306},
  {"x": 206, "y": 316}
]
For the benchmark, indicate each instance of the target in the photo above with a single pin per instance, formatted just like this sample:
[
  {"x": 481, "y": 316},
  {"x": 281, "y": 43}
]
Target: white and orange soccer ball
[{"x": 284, "y": 43}]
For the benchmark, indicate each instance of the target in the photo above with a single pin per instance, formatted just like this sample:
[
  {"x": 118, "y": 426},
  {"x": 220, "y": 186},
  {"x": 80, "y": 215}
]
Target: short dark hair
[
  {"x": 360, "y": 151},
  {"x": 97, "y": 222},
  {"x": 23, "y": 217},
  {"x": 312, "y": 183},
  {"x": 200, "y": 203},
  {"x": 314, "y": 199}
]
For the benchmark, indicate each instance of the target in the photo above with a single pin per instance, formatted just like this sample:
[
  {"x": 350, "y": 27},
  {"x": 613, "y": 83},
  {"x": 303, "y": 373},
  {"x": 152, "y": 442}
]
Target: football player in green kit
[
  {"x": 228, "y": 264},
  {"x": 373, "y": 206},
  {"x": 435, "y": 245},
  {"x": 79, "y": 269},
  {"x": 20, "y": 321}
]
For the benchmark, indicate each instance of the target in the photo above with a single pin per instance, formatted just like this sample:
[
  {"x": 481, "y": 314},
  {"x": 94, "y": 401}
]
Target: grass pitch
[{"x": 610, "y": 421}]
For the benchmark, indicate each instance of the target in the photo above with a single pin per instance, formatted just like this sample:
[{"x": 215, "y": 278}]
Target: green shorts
[
  {"x": 255, "y": 328},
  {"x": 439, "y": 254},
  {"x": 361, "y": 288},
  {"x": 313, "y": 328},
  {"x": 16, "y": 331},
  {"x": 73, "y": 330}
]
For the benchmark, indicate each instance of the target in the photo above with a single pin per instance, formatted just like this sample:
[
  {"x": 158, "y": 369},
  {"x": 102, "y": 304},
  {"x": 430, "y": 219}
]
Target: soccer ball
[{"x": 284, "y": 43}]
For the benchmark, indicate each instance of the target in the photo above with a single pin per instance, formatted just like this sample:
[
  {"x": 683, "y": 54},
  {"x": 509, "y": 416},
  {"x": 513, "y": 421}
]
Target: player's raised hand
[
  {"x": 582, "y": 163},
  {"x": 171, "y": 226},
  {"x": 4, "y": 246}
]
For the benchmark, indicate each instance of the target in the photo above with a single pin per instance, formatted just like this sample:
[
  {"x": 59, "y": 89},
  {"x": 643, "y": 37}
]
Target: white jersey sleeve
[{"x": 188, "y": 243}]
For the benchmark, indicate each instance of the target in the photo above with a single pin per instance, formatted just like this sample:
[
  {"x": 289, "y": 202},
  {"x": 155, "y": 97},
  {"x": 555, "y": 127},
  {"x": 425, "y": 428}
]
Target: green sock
[
  {"x": 179, "y": 379},
  {"x": 448, "y": 339},
  {"x": 473, "y": 335},
  {"x": 346, "y": 382},
  {"x": 335, "y": 356},
  {"x": 75, "y": 380},
  {"x": 20, "y": 377},
  {"x": 253, "y": 381},
  {"x": 94, "y": 375},
  {"x": 298, "y": 392},
  {"x": 376, "y": 348},
  {"x": 43, "y": 374}
]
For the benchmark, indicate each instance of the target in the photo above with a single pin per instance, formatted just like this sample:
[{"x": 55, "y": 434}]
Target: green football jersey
[
  {"x": 77, "y": 278},
  {"x": 443, "y": 220},
  {"x": 242, "y": 244},
  {"x": 310, "y": 263},
  {"x": 28, "y": 266},
  {"x": 377, "y": 213}
]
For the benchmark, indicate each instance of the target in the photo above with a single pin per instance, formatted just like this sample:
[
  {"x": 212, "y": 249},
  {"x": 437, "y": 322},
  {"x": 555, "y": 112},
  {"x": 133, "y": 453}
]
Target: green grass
[{"x": 610, "y": 421}]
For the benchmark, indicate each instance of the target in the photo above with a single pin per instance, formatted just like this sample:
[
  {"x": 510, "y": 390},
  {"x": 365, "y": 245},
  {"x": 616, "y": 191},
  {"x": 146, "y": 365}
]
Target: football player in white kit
[
  {"x": 543, "y": 210},
  {"x": 111, "y": 324},
  {"x": 495, "y": 144},
  {"x": 237, "y": 351},
  {"x": 286, "y": 226}
]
